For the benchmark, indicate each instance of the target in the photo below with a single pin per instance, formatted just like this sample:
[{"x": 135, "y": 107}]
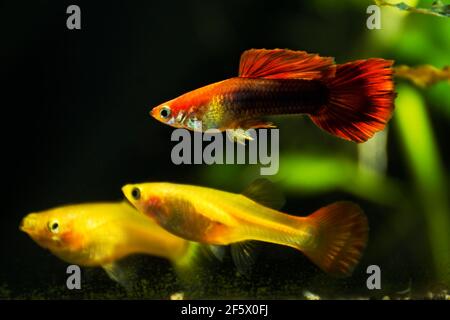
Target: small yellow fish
[
  {"x": 333, "y": 237},
  {"x": 99, "y": 234}
]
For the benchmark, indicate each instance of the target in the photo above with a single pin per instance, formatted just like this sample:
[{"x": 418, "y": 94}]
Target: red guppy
[{"x": 351, "y": 101}]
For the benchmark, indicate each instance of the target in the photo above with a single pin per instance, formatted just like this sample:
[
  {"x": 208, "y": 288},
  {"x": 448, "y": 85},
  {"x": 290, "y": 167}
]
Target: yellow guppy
[
  {"x": 100, "y": 234},
  {"x": 333, "y": 237}
]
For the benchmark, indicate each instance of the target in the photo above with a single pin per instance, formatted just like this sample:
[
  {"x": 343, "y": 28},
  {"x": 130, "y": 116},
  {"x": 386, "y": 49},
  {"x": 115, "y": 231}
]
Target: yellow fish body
[
  {"x": 99, "y": 234},
  {"x": 333, "y": 237}
]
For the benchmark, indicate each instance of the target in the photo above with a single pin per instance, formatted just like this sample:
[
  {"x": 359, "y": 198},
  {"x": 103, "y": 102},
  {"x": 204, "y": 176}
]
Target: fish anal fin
[
  {"x": 265, "y": 193},
  {"x": 285, "y": 64},
  {"x": 243, "y": 256},
  {"x": 256, "y": 124}
]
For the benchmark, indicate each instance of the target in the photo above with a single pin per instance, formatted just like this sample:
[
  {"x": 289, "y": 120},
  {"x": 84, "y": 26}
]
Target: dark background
[{"x": 75, "y": 103}]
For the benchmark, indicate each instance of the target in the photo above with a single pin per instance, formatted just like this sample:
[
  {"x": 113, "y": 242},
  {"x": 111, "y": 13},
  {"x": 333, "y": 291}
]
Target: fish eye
[
  {"x": 165, "y": 112},
  {"x": 53, "y": 226},
  {"x": 136, "y": 193}
]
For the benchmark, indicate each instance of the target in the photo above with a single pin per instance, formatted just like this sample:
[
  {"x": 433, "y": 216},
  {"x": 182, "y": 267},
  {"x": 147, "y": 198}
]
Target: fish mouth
[
  {"x": 28, "y": 223},
  {"x": 153, "y": 112},
  {"x": 126, "y": 190},
  {"x": 22, "y": 227}
]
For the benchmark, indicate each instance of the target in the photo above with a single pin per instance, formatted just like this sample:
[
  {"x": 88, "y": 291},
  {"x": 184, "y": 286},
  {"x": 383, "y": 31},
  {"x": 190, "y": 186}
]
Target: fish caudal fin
[
  {"x": 342, "y": 232},
  {"x": 361, "y": 100}
]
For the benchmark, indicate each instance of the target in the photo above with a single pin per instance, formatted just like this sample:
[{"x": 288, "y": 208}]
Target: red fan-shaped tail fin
[{"x": 361, "y": 100}]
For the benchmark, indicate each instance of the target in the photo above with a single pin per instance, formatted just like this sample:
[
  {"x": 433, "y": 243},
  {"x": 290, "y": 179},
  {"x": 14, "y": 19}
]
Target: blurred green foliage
[
  {"x": 428, "y": 172},
  {"x": 437, "y": 8}
]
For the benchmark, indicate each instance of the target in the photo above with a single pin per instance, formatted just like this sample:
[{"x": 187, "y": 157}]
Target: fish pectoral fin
[
  {"x": 217, "y": 251},
  {"x": 243, "y": 254},
  {"x": 115, "y": 272},
  {"x": 121, "y": 273},
  {"x": 239, "y": 135},
  {"x": 240, "y": 131},
  {"x": 265, "y": 192}
]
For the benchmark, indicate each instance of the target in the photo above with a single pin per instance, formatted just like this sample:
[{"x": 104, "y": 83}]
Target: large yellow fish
[
  {"x": 100, "y": 234},
  {"x": 333, "y": 237}
]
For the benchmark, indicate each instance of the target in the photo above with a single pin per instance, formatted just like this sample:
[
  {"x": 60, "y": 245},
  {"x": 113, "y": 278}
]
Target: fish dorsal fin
[
  {"x": 285, "y": 64},
  {"x": 266, "y": 193},
  {"x": 243, "y": 256}
]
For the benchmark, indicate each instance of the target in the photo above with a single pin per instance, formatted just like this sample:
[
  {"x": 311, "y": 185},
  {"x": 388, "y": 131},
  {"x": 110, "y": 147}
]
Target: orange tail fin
[
  {"x": 341, "y": 238},
  {"x": 361, "y": 100}
]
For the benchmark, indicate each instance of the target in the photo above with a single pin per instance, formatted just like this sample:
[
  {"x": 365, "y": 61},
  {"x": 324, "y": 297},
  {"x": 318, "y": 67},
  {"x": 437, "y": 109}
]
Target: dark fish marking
[{"x": 260, "y": 97}]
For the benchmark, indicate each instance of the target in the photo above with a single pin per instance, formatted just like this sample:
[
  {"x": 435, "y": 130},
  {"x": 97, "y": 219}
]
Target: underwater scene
[{"x": 180, "y": 150}]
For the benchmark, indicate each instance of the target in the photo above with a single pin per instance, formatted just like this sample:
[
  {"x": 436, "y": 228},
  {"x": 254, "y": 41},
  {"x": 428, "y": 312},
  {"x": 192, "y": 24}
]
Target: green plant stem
[{"x": 415, "y": 131}]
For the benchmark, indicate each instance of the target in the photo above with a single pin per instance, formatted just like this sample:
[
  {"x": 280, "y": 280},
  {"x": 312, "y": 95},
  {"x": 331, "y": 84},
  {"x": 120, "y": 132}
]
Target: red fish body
[
  {"x": 228, "y": 103},
  {"x": 352, "y": 101}
]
